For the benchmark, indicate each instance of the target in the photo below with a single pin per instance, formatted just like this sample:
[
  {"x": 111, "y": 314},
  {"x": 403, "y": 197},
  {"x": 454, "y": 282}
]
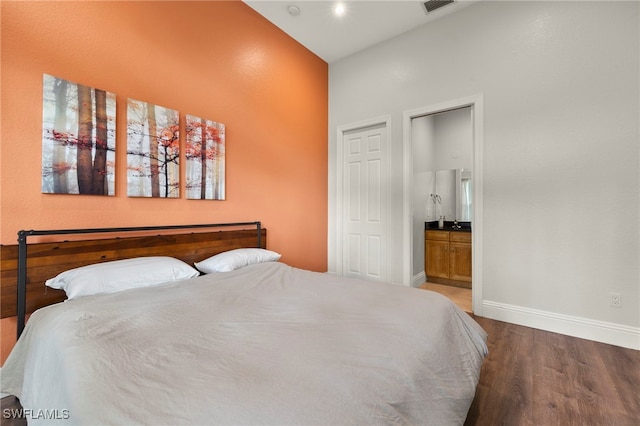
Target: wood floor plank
[
  {"x": 503, "y": 391},
  {"x": 11, "y": 412},
  {"x": 553, "y": 395},
  {"x": 623, "y": 369},
  {"x": 534, "y": 377}
]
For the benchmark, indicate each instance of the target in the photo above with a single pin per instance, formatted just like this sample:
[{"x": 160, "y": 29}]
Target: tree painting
[
  {"x": 205, "y": 148},
  {"x": 153, "y": 150},
  {"x": 78, "y": 138}
]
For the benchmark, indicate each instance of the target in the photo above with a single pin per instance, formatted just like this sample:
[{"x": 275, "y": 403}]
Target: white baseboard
[
  {"x": 584, "y": 328},
  {"x": 418, "y": 279}
]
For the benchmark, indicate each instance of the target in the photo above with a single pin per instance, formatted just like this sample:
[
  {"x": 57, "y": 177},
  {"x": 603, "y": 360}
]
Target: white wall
[
  {"x": 454, "y": 138},
  {"x": 424, "y": 165},
  {"x": 561, "y": 160}
]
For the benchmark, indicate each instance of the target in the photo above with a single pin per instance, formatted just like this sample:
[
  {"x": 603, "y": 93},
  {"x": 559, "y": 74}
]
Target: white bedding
[{"x": 265, "y": 345}]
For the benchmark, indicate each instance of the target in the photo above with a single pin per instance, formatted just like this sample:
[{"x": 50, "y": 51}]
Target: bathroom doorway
[
  {"x": 442, "y": 200},
  {"x": 443, "y": 141}
]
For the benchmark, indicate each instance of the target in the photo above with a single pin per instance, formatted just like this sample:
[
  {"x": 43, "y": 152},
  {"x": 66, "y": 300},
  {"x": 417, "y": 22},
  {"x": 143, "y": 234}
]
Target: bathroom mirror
[{"x": 451, "y": 195}]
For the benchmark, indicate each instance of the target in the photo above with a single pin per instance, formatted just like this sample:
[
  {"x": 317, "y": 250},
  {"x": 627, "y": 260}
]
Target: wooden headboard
[{"x": 190, "y": 243}]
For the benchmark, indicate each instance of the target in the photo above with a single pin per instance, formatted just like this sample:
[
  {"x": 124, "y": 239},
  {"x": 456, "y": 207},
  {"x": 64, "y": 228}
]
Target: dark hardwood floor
[
  {"x": 10, "y": 412},
  {"x": 533, "y": 377}
]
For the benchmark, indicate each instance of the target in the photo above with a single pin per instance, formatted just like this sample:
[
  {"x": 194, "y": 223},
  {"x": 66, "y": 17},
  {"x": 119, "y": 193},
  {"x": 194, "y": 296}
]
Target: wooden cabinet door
[
  {"x": 436, "y": 258},
  {"x": 460, "y": 262}
]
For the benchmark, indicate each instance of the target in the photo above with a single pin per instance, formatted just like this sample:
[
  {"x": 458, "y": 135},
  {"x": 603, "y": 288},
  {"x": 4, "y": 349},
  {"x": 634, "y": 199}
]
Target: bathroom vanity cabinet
[{"x": 447, "y": 257}]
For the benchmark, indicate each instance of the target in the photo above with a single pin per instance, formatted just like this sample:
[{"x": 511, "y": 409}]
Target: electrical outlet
[{"x": 615, "y": 300}]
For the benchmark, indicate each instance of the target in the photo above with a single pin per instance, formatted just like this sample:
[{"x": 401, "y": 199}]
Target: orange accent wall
[{"x": 217, "y": 60}]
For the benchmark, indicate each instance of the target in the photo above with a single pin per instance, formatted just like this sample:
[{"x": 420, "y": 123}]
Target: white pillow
[
  {"x": 118, "y": 275},
  {"x": 235, "y": 259}
]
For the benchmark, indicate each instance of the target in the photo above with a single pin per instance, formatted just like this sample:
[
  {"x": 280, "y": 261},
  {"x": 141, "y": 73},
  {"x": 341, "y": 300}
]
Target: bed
[{"x": 261, "y": 343}]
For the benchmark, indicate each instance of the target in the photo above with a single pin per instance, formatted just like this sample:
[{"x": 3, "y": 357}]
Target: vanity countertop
[{"x": 448, "y": 226}]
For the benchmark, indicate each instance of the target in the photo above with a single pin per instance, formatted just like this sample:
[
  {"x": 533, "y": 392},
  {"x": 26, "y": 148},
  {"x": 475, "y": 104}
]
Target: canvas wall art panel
[
  {"x": 153, "y": 150},
  {"x": 205, "y": 156},
  {"x": 78, "y": 138}
]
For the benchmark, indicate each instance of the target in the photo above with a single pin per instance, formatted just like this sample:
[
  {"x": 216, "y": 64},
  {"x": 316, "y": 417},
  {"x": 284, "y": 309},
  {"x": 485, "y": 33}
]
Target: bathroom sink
[{"x": 449, "y": 226}]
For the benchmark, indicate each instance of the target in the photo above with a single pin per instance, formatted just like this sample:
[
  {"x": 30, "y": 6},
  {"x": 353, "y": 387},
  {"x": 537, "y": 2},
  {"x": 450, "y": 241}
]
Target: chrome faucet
[{"x": 455, "y": 225}]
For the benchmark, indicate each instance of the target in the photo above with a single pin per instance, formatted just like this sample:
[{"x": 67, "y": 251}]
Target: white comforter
[{"x": 265, "y": 345}]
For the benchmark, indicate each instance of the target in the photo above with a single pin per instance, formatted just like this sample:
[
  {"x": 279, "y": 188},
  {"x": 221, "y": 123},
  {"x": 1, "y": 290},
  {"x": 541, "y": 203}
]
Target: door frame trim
[
  {"x": 385, "y": 121},
  {"x": 477, "y": 118}
]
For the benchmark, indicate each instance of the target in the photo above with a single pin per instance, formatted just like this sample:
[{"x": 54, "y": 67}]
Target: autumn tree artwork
[
  {"x": 153, "y": 150},
  {"x": 205, "y": 156},
  {"x": 78, "y": 138}
]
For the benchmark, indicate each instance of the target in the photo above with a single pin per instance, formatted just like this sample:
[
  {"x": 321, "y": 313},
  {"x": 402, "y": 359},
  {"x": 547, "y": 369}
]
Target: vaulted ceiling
[{"x": 333, "y": 36}]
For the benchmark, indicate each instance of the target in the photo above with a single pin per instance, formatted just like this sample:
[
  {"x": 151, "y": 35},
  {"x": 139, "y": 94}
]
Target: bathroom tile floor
[{"x": 460, "y": 296}]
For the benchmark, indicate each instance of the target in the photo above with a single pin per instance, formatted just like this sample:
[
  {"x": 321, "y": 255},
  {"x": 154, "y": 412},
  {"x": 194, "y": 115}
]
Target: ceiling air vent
[{"x": 432, "y": 5}]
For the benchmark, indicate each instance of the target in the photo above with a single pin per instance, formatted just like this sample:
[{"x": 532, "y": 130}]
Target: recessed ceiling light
[
  {"x": 293, "y": 10},
  {"x": 339, "y": 9}
]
